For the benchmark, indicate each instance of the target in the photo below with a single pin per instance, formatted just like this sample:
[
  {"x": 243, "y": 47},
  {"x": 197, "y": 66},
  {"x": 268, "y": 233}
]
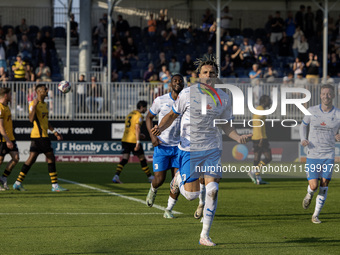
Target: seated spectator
[
  {"x": 288, "y": 81},
  {"x": 49, "y": 41},
  {"x": 24, "y": 29},
  {"x": 95, "y": 99},
  {"x": 81, "y": 94},
  {"x": 237, "y": 56},
  {"x": 226, "y": 50},
  {"x": 174, "y": 66},
  {"x": 257, "y": 49},
  {"x": 148, "y": 75},
  {"x": 162, "y": 72},
  {"x": 303, "y": 49},
  {"x": 161, "y": 61},
  {"x": 188, "y": 66},
  {"x": 3, "y": 50},
  {"x": 30, "y": 73},
  {"x": 19, "y": 69},
  {"x": 312, "y": 74},
  {"x": 124, "y": 69},
  {"x": 300, "y": 81},
  {"x": 210, "y": 53},
  {"x": 227, "y": 67},
  {"x": 270, "y": 74},
  {"x": 193, "y": 79},
  {"x": 247, "y": 52},
  {"x": 298, "y": 67},
  {"x": 256, "y": 73},
  {"x": 25, "y": 47},
  {"x": 189, "y": 36},
  {"x": 152, "y": 26},
  {"x": 166, "y": 79},
  {"x": 3, "y": 76},
  {"x": 44, "y": 55},
  {"x": 118, "y": 51},
  {"x": 43, "y": 73},
  {"x": 122, "y": 26},
  {"x": 264, "y": 58},
  {"x": 38, "y": 41},
  {"x": 130, "y": 49},
  {"x": 11, "y": 43}
]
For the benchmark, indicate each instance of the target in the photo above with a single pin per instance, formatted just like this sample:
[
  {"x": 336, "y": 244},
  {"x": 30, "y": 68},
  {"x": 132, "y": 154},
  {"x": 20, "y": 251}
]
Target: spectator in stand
[
  {"x": 189, "y": 36},
  {"x": 227, "y": 67},
  {"x": 255, "y": 75},
  {"x": 124, "y": 69},
  {"x": 333, "y": 66},
  {"x": 130, "y": 49},
  {"x": 299, "y": 17},
  {"x": 276, "y": 28},
  {"x": 122, "y": 26},
  {"x": 270, "y": 74},
  {"x": 264, "y": 58},
  {"x": 152, "y": 24},
  {"x": 309, "y": 23},
  {"x": 188, "y": 66},
  {"x": 31, "y": 94},
  {"x": 101, "y": 31},
  {"x": 226, "y": 50},
  {"x": 166, "y": 79},
  {"x": 3, "y": 76},
  {"x": 43, "y": 73},
  {"x": 25, "y": 47},
  {"x": 24, "y": 29},
  {"x": 237, "y": 56},
  {"x": 226, "y": 17},
  {"x": 30, "y": 76},
  {"x": 312, "y": 74},
  {"x": 300, "y": 81},
  {"x": 162, "y": 72},
  {"x": 247, "y": 52},
  {"x": 290, "y": 27},
  {"x": 298, "y": 67},
  {"x": 3, "y": 50},
  {"x": 44, "y": 55},
  {"x": 19, "y": 69},
  {"x": 95, "y": 99},
  {"x": 303, "y": 47},
  {"x": 11, "y": 43},
  {"x": 284, "y": 47},
  {"x": 118, "y": 51},
  {"x": 288, "y": 81},
  {"x": 162, "y": 22},
  {"x": 74, "y": 29},
  {"x": 257, "y": 49},
  {"x": 103, "y": 51},
  {"x": 38, "y": 41},
  {"x": 161, "y": 61},
  {"x": 297, "y": 38},
  {"x": 81, "y": 94},
  {"x": 49, "y": 41},
  {"x": 210, "y": 53},
  {"x": 149, "y": 73},
  {"x": 174, "y": 66},
  {"x": 207, "y": 20}
]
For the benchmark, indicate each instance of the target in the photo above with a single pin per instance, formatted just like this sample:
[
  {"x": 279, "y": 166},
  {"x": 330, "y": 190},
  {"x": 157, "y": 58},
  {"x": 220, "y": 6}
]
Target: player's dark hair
[
  {"x": 264, "y": 99},
  {"x": 39, "y": 86},
  {"x": 328, "y": 86},
  {"x": 206, "y": 61},
  {"x": 141, "y": 104},
  {"x": 4, "y": 91}
]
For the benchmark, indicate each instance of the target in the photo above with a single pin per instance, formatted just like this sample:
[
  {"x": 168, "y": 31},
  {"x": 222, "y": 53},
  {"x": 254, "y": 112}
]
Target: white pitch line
[
  {"x": 162, "y": 208},
  {"x": 79, "y": 213}
]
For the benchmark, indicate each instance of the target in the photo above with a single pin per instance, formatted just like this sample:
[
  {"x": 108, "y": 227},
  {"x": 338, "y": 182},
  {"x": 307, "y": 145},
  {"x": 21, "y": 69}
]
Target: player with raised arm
[
  {"x": 40, "y": 142},
  {"x": 324, "y": 124},
  {"x": 260, "y": 142},
  {"x": 8, "y": 144},
  {"x": 131, "y": 141},
  {"x": 200, "y": 141},
  {"x": 166, "y": 145}
]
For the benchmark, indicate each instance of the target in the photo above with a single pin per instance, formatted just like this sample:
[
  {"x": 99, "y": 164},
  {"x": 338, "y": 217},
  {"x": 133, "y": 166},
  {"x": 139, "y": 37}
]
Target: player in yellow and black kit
[
  {"x": 40, "y": 142},
  {"x": 131, "y": 143},
  {"x": 7, "y": 144},
  {"x": 260, "y": 142}
]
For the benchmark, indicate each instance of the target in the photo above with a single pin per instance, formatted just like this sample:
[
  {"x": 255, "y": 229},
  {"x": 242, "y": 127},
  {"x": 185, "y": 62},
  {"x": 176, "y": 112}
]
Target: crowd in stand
[{"x": 27, "y": 53}]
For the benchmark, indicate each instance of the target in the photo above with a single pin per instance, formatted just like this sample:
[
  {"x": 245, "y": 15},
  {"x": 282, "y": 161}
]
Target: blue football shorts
[
  {"x": 165, "y": 157},
  {"x": 319, "y": 168}
]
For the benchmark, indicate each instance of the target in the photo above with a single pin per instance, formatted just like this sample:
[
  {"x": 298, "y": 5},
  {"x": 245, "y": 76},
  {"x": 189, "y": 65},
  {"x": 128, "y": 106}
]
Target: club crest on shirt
[{"x": 323, "y": 124}]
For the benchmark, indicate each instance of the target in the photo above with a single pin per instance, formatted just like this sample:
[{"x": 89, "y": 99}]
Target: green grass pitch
[{"x": 88, "y": 219}]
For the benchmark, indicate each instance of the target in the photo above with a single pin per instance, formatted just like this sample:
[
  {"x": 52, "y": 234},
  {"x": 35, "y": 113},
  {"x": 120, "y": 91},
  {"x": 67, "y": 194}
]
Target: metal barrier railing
[{"x": 103, "y": 101}]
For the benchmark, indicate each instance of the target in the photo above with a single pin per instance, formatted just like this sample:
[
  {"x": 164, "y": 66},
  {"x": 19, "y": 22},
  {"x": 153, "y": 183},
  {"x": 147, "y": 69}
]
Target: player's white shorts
[
  {"x": 319, "y": 168},
  {"x": 195, "y": 164}
]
